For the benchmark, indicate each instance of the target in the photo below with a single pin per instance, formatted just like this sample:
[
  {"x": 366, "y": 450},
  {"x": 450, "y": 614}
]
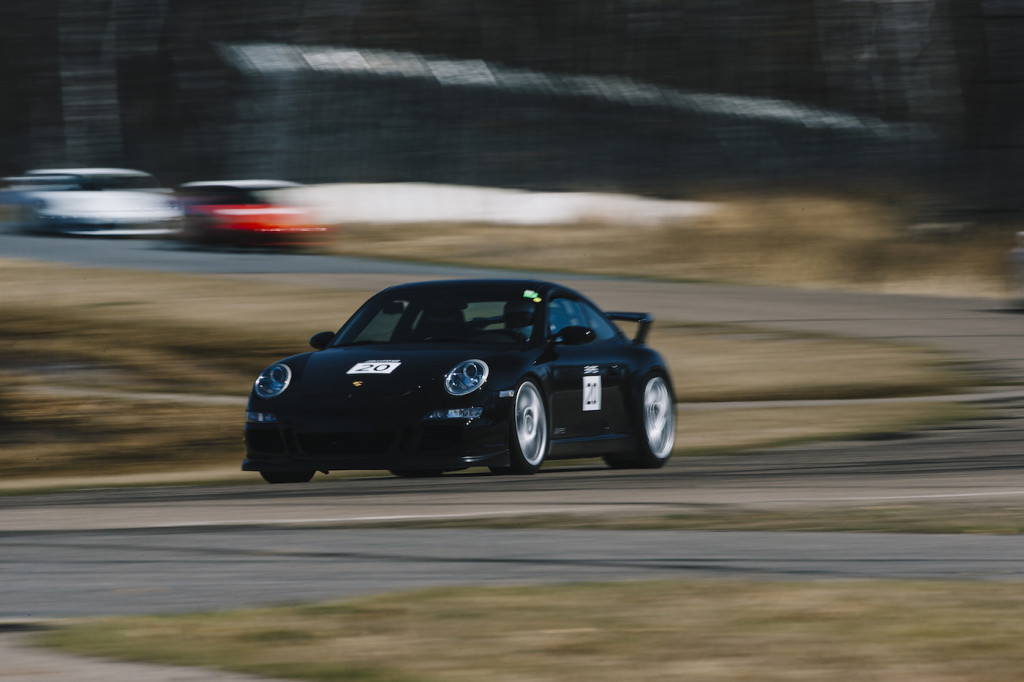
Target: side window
[
  {"x": 603, "y": 328},
  {"x": 562, "y": 313}
]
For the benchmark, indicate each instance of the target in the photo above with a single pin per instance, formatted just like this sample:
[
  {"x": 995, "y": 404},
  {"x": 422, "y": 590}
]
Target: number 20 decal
[
  {"x": 591, "y": 393},
  {"x": 375, "y": 367}
]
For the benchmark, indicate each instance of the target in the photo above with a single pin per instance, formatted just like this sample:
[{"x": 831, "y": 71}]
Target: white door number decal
[
  {"x": 591, "y": 393},
  {"x": 375, "y": 367}
]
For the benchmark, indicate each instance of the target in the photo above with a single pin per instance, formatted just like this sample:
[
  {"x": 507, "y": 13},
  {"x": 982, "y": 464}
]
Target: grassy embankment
[
  {"x": 87, "y": 350},
  {"x": 800, "y": 240},
  {"x": 722, "y": 630}
]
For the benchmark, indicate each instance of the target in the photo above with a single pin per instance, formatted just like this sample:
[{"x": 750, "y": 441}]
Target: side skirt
[{"x": 569, "y": 448}]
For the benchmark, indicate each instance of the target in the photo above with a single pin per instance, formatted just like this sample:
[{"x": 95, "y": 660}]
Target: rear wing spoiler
[{"x": 642, "y": 320}]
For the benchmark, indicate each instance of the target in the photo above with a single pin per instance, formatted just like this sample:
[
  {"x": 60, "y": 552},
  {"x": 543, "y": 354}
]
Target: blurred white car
[{"x": 93, "y": 201}]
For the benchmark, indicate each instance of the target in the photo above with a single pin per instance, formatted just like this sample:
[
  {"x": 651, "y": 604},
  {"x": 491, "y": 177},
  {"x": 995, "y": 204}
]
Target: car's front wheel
[
  {"x": 655, "y": 425},
  {"x": 528, "y": 437},
  {"x": 287, "y": 476}
]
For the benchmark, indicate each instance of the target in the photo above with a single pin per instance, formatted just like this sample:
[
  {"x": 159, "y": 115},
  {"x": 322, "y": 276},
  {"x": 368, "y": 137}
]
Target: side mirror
[
  {"x": 321, "y": 340},
  {"x": 575, "y": 336}
]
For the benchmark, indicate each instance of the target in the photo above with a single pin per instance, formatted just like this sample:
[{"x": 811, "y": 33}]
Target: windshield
[
  {"x": 227, "y": 196},
  {"x": 95, "y": 182},
  {"x": 499, "y": 316},
  {"x": 118, "y": 182}
]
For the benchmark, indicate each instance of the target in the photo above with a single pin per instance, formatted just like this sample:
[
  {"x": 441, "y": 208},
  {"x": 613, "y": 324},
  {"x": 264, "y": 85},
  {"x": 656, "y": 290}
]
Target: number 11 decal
[{"x": 591, "y": 393}]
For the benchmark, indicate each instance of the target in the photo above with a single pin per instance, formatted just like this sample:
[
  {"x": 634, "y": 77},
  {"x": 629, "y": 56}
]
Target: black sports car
[{"x": 439, "y": 376}]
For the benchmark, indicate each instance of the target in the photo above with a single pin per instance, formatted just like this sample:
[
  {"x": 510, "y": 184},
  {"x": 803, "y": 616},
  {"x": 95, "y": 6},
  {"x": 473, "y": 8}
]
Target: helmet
[{"x": 519, "y": 314}]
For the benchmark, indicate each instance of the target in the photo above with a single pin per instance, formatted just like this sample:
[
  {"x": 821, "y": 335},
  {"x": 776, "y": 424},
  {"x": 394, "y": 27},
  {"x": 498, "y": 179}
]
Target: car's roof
[
  {"x": 540, "y": 286},
  {"x": 87, "y": 171},
  {"x": 254, "y": 183}
]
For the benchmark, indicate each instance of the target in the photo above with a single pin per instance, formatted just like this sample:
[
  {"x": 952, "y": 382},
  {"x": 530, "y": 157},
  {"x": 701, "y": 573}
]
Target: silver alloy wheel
[
  {"x": 531, "y": 424},
  {"x": 659, "y": 418}
]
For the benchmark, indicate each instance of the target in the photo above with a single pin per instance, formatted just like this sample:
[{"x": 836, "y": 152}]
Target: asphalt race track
[{"x": 172, "y": 549}]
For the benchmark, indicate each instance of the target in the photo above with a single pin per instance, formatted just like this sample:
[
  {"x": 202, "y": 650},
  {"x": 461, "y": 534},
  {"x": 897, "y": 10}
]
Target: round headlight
[
  {"x": 466, "y": 377},
  {"x": 273, "y": 381}
]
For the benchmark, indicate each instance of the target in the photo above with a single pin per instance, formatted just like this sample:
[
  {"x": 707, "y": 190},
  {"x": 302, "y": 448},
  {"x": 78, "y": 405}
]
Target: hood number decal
[{"x": 375, "y": 367}]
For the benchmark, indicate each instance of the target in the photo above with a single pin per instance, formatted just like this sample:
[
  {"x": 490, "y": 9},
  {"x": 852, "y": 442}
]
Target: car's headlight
[
  {"x": 466, "y": 377},
  {"x": 273, "y": 381}
]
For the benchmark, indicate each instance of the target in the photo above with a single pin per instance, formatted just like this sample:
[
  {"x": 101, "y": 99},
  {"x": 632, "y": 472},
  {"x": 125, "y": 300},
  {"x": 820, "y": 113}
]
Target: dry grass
[
  {"x": 734, "y": 430},
  {"x": 795, "y": 240},
  {"x": 105, "y": 330},
  {"x": 111, "y": 332},
  {"x": 727, "y": 363},
  {"x": 645, "y": 631}
]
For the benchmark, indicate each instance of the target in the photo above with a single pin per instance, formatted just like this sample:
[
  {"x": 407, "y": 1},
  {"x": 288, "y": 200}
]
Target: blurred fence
[
  {"x": 644, "y": 95},
  {"x": 347, "y": 114}
]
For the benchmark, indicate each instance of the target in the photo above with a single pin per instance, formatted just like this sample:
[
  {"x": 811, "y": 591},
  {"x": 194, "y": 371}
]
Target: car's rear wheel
[
  {"x": 287, "y": 476},
  {"x": 655, "y": 424},
  {"x": 528, "y": 438}
]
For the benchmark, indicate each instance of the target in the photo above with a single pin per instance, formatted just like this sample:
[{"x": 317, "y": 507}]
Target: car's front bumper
[{"x": 388, "y": 439}]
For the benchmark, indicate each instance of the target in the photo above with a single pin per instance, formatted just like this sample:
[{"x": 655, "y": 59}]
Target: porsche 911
[{"x": 433, "y": 377}]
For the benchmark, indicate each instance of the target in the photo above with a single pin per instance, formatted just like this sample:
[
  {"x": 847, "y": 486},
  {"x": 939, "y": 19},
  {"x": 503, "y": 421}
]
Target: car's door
[{"x": 586, "y": 379}]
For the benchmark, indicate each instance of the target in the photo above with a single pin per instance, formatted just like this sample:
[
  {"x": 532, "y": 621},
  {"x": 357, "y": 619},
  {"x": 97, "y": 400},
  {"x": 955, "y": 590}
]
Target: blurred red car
[{"x": 248, "y": 213}]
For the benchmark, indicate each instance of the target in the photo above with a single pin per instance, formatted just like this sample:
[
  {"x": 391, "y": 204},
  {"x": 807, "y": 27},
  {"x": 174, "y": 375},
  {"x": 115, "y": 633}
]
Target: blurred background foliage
[{"x": 651, "y": 96}]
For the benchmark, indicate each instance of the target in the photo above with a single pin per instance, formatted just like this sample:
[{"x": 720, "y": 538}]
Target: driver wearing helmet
[{"x": 519, "y": 317}]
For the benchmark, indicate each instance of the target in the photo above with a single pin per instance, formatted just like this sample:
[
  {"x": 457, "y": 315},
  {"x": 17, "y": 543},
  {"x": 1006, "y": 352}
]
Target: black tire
[
  {"x": 276, "y": 477},
  {"x": 417, "y": 473},
  {"x": 655, "y": 416},
  {"x": 528, "y": 431}
]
